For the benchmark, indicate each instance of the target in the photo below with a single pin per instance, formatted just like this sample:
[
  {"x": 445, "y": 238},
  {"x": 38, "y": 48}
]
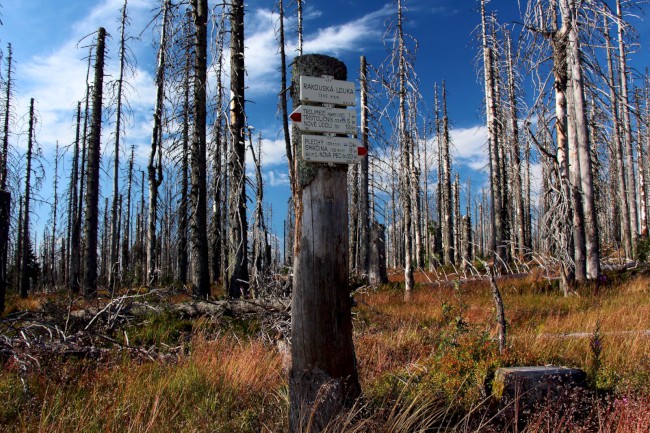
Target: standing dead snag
[
  {"x": 198, "y": 193},
  {"x": 238, "y": 225},
  {"x": 323, "y": 377},
  {"x": 154, "y": 168},
  {"x": 501, "y": 315},
  {"x": 92, "y": 193}
]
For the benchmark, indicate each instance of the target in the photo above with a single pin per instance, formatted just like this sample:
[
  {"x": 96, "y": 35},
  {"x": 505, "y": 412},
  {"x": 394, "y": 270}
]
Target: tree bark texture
[
  {"x": 323, "y": 377},
  {"x": 92, "y": 182},
  {"x": 238, "y": 225},
  {"x": 154, "y": 167},
  {"x": 364, "y": 208},
  {"x": 198, "y": 193}
]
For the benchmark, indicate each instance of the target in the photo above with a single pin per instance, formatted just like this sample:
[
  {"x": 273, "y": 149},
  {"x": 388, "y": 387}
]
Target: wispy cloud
[{"x": 469, "y": 146}]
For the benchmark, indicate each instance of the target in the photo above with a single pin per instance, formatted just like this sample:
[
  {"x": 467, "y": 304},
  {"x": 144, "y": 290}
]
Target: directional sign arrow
[{"x": 324, "y": 119}]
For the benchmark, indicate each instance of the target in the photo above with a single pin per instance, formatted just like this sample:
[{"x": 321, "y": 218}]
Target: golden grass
[{"x": 422, "y": 364}]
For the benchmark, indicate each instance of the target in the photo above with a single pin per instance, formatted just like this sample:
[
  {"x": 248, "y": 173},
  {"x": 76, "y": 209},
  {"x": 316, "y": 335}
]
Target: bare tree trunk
[
  {"x": 592, "y": 242},
  {"x": 323, "y": 377},
  {"x": 53, "y": 269},
  {"x": 185, "y": 139},
  {"x": 364, "y": 219},
  {"x": 501, "y": 316},
  {"x": 260, "y": 242},
  {"x": 126, "y": 243},
  {"x": 26, "y": 245},
  {"x": 114, "y": 261},
  {"x": 92, "y": 194},
  {"x": 377, "y": 269},
  {"x": 154, "y": 168},
  {"x": 643, "y": 170},
  {"x": 283, "y": 95},
  {"x": 5, "y": 196},
  {"x": 618, "y": 152},
  {"x": 238, "y": 278},
  {"x": 354, "y": 216},
  {"x": 198, "y": 194},
  {"x": 627, "y": 131},
  {"x": 76, "y": 245},
  {"x": 405, "y": 189},
  {"x": 4, "y": 158},
  {"x": 515, "y": 156},
  {"x": 497, "y": 245}
]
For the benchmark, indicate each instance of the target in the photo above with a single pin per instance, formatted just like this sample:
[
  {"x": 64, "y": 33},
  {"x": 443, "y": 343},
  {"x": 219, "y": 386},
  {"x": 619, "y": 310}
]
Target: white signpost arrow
[
  {"x": 336, "y": 150},
  {"x": 328, "y": 91},
  {"x": 324, "y": 119}
]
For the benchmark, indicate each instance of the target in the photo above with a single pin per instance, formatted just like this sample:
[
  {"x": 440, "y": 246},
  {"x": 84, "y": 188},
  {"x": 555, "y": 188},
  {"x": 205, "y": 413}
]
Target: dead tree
[
  {"x": 283, "y": 95},
  {"x": 444, "y": 169},
  {"x": 198, "y": 192},
  {"x": 618, "y": 158},
  {"x": 26, "y": 262},
  {"x": 364, "y": 207},
  {"x": 498, "y": 225},
  {"x": 4, "y": 157},
  {"x": 126, "y": 242},
  {"x": 114, "y": 270},
  {"x": 92, "y": 193},
  {"x": 626, "y": 128},
  {"x": 185, "y": 141},
  {"x": 154, "y": 167},
  {"x": 583, "y": 165},
  {"x": 238, "y": 243}
]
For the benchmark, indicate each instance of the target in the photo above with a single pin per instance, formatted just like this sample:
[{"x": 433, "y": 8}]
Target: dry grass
[{"x": 423, "y": 365}]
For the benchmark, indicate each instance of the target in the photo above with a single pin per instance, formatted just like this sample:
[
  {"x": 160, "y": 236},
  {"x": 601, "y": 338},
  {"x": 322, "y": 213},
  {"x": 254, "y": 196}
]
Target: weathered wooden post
[
  {"x": 377, "y": 273},
  {"x": 5, "y": 203},
  {"x": 323, "y": 377}
]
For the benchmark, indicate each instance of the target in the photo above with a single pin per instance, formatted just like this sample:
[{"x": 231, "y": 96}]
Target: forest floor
[{"x": 160, "y": 361}]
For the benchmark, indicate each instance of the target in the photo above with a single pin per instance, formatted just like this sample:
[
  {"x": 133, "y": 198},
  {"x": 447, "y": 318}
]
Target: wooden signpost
[{"x": 323, "y": 377}]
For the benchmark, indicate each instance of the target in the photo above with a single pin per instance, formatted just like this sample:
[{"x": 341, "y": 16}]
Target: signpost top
[{"x": 328, "y": 91}]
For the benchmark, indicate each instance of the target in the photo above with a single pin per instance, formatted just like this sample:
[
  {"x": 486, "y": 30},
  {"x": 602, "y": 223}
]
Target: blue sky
[{"x": 49, "y": 66}]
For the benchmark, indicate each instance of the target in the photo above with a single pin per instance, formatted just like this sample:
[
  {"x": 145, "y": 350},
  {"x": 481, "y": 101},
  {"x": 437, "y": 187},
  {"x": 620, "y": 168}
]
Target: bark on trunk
[
  {"x": 198, "y": 194},
  {"x": 377, "y": 274},
  {"x": 154, "y": 167},
  {"x": 618, "y": 152},
  {"x": 238, "y": 225},
  {"x": 364, "y": 208},
  {"x": 92, "y": 193}
]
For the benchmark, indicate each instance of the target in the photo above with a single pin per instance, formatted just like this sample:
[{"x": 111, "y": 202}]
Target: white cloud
[
  {"x": 347, "y": 36},
  {"x": 469, "y": 146},
  {"x": 275, "y": 178}
]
